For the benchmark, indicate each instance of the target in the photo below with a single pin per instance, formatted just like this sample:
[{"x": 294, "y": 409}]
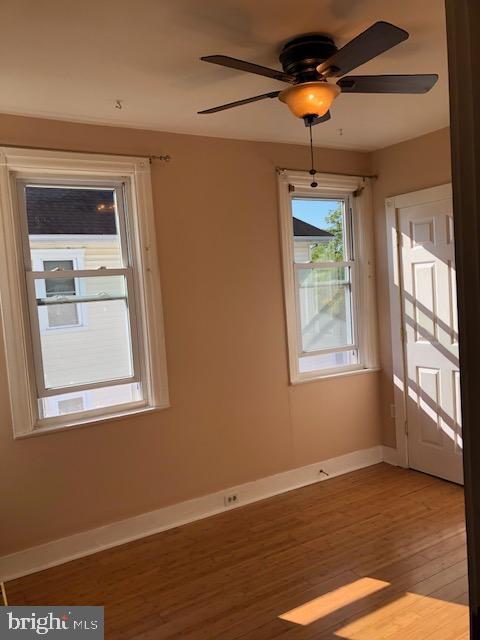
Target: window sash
[
  {"x": 78, "y": 273},
  {"x": 320, "y": 352},
  {"x": 32, "y": 276},
  {"x": 88, "y": 415},
  {"x": 353, "y": 346},
  {"x": 332, "y": 264}
]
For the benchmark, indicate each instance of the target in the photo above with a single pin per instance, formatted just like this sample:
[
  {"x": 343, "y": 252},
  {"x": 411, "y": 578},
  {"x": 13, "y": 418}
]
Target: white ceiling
[{"x": 71, "y": 59}]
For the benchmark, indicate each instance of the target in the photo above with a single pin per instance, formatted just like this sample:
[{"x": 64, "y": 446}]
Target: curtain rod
[
  {"x": 331, "y": 173},
  {"x": 162, "y": 157}
]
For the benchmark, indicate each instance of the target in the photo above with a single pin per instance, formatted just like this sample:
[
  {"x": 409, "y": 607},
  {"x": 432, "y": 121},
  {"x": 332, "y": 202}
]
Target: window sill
[
  {"x": 90, "y": 421},
  {"x": 331, "y": 376}
]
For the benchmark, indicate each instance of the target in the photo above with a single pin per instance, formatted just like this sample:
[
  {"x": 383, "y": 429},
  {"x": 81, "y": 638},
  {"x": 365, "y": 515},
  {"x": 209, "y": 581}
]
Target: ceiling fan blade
[
  {"x": 238, "y": 103},
  {"x": 249, "y": 67},
  {"x": 420, "y": 83},
  {"x": 378, "y": 38},
  {"x": 318, "y": 120}
]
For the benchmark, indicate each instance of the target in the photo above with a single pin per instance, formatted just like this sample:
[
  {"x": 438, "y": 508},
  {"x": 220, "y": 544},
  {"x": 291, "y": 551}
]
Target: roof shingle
[
  {"x": 302, "y": 228},
  {"x": 57, "y": 210}
]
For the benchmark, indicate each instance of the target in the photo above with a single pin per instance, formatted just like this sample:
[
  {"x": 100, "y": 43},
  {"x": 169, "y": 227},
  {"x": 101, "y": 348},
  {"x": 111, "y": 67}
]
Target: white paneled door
[{"x": 430, "y": 333}]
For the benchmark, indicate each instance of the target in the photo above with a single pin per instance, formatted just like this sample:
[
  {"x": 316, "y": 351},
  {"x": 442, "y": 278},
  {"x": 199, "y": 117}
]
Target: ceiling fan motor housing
[{"x": 301, "y": 56}]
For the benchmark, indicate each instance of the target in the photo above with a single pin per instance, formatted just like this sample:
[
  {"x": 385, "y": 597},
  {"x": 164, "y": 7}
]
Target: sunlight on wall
[{"x": 398, "y": 383}]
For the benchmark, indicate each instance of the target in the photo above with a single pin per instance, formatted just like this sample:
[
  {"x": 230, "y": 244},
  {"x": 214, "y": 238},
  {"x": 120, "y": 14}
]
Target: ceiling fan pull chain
[{"x": 312, "y": 171}]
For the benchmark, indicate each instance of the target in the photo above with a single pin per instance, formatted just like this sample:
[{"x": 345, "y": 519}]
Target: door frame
[
  {"x": 463, "y": 31},
  {"x": 392, "y": 206}
]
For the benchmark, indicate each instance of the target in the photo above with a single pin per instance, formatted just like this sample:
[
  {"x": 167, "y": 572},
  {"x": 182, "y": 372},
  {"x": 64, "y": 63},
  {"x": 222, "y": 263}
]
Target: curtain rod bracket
[{"x": 163, "y": 158}]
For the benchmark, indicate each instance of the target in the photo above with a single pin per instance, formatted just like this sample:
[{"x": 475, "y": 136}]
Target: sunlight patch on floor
[
  {"x": 330, "y": 602},
  {"x": 410, "y": 616}
]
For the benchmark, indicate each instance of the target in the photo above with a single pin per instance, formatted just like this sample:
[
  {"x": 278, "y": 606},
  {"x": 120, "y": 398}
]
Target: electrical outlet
[{"x": 230, "y": 499}]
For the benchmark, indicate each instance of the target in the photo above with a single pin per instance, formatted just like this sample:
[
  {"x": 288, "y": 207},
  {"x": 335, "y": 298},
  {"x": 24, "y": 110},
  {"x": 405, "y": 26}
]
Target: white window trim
[
  {"x": 365, "y": 315},
  {"x": 23, "y": 163}
]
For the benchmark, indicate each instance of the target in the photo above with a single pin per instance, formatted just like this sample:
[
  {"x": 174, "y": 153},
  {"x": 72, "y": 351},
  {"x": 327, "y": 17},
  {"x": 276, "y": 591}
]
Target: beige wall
[
  {"x": 234, "y": 417},
  {"x": 409, "y": 166}
]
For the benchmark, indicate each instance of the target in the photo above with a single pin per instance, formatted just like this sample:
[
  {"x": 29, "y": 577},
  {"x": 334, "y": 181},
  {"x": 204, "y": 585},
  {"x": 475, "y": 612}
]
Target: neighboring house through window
[
  {"x": 60, "y": 315},
  {"x": 53, "y": 291},
  {"x": 70, "y": 405},
  {"x": 307, "y": 238}
]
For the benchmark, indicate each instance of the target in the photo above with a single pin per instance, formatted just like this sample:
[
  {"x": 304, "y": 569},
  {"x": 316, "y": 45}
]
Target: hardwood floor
[{"x": 378, "y": 553}]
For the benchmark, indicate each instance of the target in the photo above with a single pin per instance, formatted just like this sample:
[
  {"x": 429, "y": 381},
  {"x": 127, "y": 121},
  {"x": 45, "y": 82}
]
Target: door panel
[{"x": 428, "y": 292}]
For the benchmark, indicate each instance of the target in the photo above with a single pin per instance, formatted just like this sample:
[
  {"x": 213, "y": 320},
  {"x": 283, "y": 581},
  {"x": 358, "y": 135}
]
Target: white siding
[{"x": 301, "y": 251}]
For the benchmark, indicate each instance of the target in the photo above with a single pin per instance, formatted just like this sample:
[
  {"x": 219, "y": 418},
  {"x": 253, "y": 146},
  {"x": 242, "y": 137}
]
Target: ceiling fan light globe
[{"x": 309, "y": 98}]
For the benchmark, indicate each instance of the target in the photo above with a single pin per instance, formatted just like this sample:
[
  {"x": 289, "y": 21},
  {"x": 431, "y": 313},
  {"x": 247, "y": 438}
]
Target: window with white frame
[
  {"x": 328, "y": 274},
  {"x": 83, "y": 286}
]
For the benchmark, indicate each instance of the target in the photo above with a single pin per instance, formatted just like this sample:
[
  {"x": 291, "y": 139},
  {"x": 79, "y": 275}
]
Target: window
[
  {"x": 328, "y": 275},
  {"x": 92, "y": 344}
]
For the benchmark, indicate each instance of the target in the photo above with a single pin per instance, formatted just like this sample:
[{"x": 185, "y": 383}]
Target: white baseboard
[{"x": 85, "y": 543}]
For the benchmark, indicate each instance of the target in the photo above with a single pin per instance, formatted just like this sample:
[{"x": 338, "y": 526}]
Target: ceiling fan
[{"x": 310, "y": 61}]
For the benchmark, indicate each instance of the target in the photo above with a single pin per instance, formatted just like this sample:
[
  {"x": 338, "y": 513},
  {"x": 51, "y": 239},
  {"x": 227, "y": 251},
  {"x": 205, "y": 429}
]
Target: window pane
[
  {"x": 70, "y": 405},
  {"x": 325, "y": 308},
  {"x": 99, "y": 347},
  {"x": 318, "y": 230},
  {"x": 60, "y": 287},
  {"x": 327, "y": 361},
  {"x": 63, "y": 315},
  {"x": 82, "y": 219},
  {"x": 67, "y": 403}
]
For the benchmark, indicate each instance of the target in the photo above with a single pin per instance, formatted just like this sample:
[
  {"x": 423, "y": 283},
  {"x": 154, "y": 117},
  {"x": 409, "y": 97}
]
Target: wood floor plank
[{"x": 231, "y": 576}]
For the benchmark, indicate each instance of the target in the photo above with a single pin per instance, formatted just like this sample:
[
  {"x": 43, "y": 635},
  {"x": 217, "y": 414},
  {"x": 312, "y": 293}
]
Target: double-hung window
[
  {"x": 328, "y": 275},
  {"x": 81, "y": 286}
]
